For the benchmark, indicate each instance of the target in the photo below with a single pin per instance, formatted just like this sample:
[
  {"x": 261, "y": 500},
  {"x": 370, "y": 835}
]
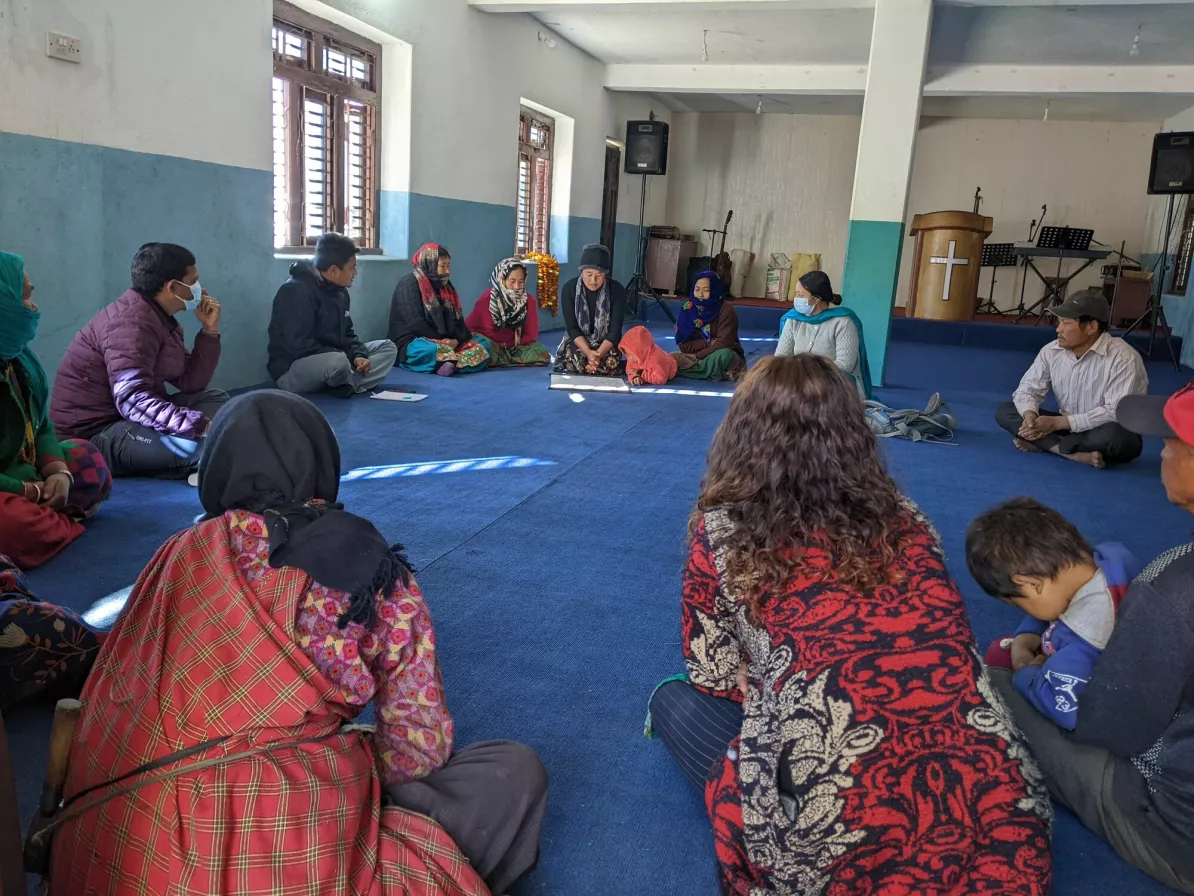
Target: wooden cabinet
[{"x": 667, "y": 264}]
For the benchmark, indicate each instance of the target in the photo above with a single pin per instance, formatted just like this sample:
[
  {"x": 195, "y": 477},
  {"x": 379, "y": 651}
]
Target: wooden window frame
[
  {"x": 308, "y": 75},
  {"x": 534, "y": 154},
  {"x": 1184, "y": 256}
]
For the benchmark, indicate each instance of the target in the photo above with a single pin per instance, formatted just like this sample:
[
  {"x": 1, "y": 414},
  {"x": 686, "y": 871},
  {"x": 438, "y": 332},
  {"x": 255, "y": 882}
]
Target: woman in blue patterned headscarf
[{"x": 707, "y": 332}]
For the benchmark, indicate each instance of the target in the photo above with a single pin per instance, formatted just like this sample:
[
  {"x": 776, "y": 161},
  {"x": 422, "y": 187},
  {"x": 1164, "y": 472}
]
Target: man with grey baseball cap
[{"x": 1088, "y": 371}]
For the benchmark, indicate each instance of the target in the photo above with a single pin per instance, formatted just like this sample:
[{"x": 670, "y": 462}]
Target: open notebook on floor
[
  {"x": 575, "y": 382},
  {"x": 396, "y": 394}
]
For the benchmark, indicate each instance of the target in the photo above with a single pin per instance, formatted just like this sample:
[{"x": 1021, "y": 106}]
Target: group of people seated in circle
[{"x": 835, "y": 713}]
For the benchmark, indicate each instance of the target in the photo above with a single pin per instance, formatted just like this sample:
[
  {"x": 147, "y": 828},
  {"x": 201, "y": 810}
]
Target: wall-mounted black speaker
[
  {"x": 646, "y": 147},
  {"x": 1172, "y": 168}
]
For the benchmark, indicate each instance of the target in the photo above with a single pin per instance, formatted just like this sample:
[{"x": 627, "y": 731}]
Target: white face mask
[
  {"x": 802, "y": 305},
  {"x": 196, "y": 296}
]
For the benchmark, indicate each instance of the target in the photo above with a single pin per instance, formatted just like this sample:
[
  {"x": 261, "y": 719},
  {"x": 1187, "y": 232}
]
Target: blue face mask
[
  {"x": 196, "y": 296},
  {"x": 802, "y": 305}
]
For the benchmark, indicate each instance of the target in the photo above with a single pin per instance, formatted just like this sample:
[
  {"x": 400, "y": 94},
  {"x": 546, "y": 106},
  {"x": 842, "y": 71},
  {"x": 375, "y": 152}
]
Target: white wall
[
  {"x": 1090, "y": 174},
  {"x": 140, "y": 87},
  {"x": 788, "y": 179},
  {"x": 470, "y": 71}
]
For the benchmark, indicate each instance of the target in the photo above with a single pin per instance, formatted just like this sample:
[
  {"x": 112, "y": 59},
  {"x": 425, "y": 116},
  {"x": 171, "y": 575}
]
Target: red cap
[{"x": 1155, "y": 415}]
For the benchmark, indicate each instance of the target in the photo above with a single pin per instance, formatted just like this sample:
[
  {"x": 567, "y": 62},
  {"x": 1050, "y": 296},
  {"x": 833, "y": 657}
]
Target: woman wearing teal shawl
[
  {"x": 818, "y": 324},
  {"x": 46, "y": 486}
]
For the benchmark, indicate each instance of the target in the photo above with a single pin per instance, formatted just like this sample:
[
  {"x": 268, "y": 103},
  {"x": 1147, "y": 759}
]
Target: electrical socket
[{"x": 59, "y": 46}]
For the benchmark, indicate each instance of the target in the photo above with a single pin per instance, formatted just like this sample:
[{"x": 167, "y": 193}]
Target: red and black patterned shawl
[{"x": 907, "y": 772}]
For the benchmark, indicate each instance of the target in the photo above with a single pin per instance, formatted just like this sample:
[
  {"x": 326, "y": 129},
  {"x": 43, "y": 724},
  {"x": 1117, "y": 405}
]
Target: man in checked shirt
[{"x": 1089, "y": 371}]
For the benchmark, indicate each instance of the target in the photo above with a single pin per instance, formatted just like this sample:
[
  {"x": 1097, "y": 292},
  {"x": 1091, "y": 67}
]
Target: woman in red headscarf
[{"x": 427, "y": 321}]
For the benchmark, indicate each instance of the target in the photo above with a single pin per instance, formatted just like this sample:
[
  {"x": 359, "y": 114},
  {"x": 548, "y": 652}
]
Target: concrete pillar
[{"x": 890, "y": 118}]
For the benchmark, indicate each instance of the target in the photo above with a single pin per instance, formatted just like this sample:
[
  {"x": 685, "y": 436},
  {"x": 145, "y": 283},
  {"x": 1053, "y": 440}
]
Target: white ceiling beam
[
  {"x": 828, "y": 80},
  {"x": 1045, "y": 80},
  {"x": 550, "y": 6},
  {"x": 557, "y": 6},
  {"x": 813, "y": 79}
]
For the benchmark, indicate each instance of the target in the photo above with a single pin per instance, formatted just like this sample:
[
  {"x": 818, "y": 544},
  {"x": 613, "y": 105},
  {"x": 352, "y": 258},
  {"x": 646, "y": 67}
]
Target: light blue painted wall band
[{"x": 872, "y": 270}]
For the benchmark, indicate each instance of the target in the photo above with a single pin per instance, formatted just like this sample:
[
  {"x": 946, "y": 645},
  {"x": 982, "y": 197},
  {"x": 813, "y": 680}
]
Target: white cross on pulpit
[{"x": 949, "y": 261}]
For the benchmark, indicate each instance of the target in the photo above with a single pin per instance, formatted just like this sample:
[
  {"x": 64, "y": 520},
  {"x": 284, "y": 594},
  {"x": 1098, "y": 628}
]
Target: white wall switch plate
[{"x": 59, "y": 46}]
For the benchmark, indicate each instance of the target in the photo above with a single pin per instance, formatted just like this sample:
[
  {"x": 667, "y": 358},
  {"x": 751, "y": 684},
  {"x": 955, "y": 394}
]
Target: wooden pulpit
[{"x": 949, "y": 251}]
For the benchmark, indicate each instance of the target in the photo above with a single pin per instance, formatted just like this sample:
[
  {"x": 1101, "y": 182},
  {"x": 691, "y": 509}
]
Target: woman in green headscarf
[{"x": 46, "y": 486}]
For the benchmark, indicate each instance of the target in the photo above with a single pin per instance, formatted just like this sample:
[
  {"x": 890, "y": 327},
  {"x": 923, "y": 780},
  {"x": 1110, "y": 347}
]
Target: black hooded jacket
[{"x": 310, "y": 317}]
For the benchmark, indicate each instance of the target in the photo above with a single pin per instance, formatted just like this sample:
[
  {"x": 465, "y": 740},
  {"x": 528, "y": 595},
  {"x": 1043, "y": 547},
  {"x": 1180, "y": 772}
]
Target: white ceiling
[
  {"x": 1094, "y": 107},
  {"x": 964, "y": 35}
]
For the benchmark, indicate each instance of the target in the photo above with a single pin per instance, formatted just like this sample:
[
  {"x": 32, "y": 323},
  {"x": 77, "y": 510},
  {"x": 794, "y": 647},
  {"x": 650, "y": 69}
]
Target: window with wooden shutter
[
  {"x": 533, "y": 218},
  {"x": 326, "y": 115}
]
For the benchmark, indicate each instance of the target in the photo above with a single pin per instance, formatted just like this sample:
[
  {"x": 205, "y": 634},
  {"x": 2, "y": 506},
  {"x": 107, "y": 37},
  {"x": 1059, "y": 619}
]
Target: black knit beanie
[{"x": 595, "y": 257}]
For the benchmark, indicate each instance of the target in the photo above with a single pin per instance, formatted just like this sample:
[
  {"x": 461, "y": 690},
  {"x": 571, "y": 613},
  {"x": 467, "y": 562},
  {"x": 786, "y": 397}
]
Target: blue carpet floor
[{"x": 551, "y": 554}]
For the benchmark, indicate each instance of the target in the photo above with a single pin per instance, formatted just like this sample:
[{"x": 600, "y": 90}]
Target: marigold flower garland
[{"x": 549, "y": 280}]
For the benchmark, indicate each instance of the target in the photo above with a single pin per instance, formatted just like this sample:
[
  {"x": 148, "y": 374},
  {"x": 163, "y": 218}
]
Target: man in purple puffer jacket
[{"x": 111, "y": 386}]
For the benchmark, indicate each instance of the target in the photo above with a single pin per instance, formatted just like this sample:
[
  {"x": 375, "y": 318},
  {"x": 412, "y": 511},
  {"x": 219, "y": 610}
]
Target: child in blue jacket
[{"x": 1032, "y": 557}]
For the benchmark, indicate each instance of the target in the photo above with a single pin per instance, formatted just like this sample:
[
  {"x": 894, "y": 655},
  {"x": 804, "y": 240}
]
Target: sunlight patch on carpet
[{"x": 440, "y": 467}]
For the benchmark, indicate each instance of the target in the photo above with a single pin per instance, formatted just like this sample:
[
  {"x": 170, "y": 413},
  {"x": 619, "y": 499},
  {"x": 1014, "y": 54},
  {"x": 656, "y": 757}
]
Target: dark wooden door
[{"x": 609, "y": 201}]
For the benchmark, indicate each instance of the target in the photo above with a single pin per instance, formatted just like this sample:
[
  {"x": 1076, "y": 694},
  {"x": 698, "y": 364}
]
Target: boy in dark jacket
[
  {"x": 312, "y": 344},
  {"x": 1032, "y": 557}
]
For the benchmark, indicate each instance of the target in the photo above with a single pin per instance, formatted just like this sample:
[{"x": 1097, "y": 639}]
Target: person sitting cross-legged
[
  {"x": 505, "y": 319},
  {"x": 835, "y": 715},
  {"x": 247, "y": 646},
  {"x": 427, "y": 320},
  {"x": 1127, "y": 768},
  {"x": 594, "y": 306},
  {"x": 47, "y": 487},
  {"x": 312, "y": 343},
  {"x": 1089, "y": 371},
  {"x": 111, "y": 385},
  {"x": 707, "y": 345}
]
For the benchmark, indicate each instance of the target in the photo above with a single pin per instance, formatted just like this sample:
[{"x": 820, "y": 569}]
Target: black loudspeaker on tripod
[
  {"x": 646, "y": 154},
  {"x": 646, "y": 147},
  {"x": 1171, "y": 173}
]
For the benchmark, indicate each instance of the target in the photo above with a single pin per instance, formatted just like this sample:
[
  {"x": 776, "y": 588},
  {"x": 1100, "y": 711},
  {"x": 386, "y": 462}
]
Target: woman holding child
[
  {"x": 1112, "y": 722},
  {"x": 835, "y": 714}
]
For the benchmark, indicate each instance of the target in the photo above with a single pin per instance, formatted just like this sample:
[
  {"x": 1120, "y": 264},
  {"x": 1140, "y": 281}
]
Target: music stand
[
  {"x": 996, "y": 255},
  {"x": 1061, "y": 240}
]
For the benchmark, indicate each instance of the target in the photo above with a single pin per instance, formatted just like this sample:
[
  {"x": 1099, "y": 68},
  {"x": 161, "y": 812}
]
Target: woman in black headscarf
[
  {"x": 249, "y": 641},
  {"x": 593, "y": 306}
]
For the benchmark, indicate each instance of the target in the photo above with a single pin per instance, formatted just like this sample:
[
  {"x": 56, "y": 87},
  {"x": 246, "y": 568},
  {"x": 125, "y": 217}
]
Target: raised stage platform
[{"x": 989, "y": 332}]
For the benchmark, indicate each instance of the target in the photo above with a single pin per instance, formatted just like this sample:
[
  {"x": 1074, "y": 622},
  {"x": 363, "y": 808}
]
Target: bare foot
[
  {"x": 1026, "y": 447},
  {"x": 1090, "y": 458}
]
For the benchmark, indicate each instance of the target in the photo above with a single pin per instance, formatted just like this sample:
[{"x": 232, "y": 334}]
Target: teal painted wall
[
  {"x": 868, "y": 287},
  {"x": 78, "y": 213}
]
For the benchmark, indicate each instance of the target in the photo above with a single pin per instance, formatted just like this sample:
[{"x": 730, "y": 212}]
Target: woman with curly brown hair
[{"x": 836, "y": 714}]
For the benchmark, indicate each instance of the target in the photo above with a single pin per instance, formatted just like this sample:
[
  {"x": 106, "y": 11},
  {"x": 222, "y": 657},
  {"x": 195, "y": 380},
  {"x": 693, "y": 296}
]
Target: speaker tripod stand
[
  {"x": 1156, "y": 308},
  {"x": 638, "y": 288}
]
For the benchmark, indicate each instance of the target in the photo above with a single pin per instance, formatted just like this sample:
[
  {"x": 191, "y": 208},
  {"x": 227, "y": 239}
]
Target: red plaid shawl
[{"x": 199, "y": 654}]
